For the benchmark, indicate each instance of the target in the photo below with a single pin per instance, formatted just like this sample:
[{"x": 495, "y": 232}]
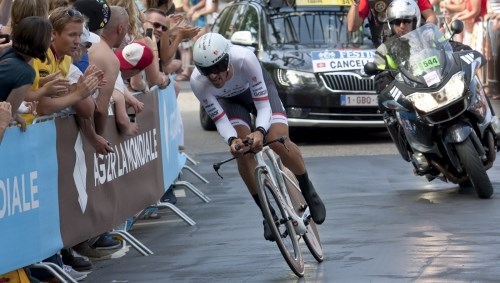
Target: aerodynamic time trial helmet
[{"x": 211, "y": 54}]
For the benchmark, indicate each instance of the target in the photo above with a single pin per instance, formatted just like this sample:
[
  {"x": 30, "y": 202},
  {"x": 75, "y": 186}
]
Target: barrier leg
[
  {"x": 55, "y": 270},
  {"x": 192, "y": 189},
  {"x": 177, "y": 211},
  {"x": 190, "y": 159},
  {"x": 195, "y": 173},
  {"x": 136, "y": 244}
]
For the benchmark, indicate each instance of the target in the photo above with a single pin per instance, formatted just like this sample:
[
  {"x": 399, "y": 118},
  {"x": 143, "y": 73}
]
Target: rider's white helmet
[
  {"x": 403, "y": 10},
  {"x": 211, "y": 53}
]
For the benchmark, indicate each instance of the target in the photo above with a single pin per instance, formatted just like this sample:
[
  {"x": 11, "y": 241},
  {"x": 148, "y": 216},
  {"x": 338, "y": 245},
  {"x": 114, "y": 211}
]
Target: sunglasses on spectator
[
  {"x": 398, "y": 22},
  {"x": 157, "y": 25},
  {"x": 73, "y": 12}
]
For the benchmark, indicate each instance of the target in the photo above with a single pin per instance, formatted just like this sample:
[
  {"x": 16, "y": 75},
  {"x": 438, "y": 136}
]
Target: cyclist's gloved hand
[
  {"x": 258, "y": 140},
  {"x": 237, "y": 147}
]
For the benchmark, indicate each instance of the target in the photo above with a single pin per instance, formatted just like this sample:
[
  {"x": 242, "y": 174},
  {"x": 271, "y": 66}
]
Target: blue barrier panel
[
  {"x": 172, "y": 160},
  {"x": 29, "y": 209}
]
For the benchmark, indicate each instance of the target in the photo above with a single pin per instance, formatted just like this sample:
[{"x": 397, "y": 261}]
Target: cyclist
[{"x": 230, "y": 84}]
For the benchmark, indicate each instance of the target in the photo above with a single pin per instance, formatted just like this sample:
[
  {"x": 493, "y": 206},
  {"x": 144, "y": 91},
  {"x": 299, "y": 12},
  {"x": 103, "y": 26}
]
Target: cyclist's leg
[
  {"x": 291, "y": 155},
  {"x": 239, "y": 115},
  {"x": 238, "y": 111}
]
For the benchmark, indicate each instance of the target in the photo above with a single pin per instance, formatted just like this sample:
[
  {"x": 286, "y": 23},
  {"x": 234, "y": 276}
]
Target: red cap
[{"x": 136, "y": 55}]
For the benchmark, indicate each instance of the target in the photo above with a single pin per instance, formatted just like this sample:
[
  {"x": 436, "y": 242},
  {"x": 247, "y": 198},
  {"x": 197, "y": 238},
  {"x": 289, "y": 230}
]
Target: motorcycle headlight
[
  {"x": 296, "y": 78},
  {"x": 429, "y": 101}
]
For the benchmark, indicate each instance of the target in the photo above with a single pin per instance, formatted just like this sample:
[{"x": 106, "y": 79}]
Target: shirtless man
[{"x": 102, "y": 55}]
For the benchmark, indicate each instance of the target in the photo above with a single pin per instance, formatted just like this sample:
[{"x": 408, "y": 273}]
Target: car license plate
[{"x": 358, "y": 100}]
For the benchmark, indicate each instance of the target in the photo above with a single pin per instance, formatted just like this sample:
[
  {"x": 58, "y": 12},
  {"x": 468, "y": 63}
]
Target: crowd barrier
[{"x": 56, "y": 192}]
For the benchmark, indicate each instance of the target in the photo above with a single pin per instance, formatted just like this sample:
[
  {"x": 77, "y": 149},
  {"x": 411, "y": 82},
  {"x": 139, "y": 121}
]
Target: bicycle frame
[{"x": 299, "y": 223}]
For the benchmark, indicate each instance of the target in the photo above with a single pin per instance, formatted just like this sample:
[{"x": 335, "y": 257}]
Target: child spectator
[{"x": 30, "y": 39}]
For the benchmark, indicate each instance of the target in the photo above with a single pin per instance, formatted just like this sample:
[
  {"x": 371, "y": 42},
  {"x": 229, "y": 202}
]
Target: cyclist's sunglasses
[
  {"x": 398, "y": 22},
  {"x": 218, "y": 67},
  {"x": 158, "y": 25}
]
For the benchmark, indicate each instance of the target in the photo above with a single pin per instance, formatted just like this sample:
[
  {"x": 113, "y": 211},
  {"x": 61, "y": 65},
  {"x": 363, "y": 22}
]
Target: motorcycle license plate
[{"x": 358, "y": 100}]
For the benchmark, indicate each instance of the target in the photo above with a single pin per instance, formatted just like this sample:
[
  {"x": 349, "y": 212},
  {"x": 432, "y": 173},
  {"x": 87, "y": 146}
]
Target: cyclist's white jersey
[{"x": 247, "y": 75}]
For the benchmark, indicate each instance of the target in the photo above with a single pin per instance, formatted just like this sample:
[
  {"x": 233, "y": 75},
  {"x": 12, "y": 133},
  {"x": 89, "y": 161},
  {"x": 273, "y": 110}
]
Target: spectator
[
  {"x": 473, "y": 35},
  {"x": 375, "y": 12},
  {"x": 193, "y": 16},
  {"x": 493, "y": 27},
  {"x": 30, "y": 39},
  {"x": 98, "y": 13},
  {"x": 67, "y": 25},
  {"x": 158, "y": 20},
  {"x": 5, "y": 117},
  {"x": 136, "y": 33},
  {"x": 103, "y": 57}
]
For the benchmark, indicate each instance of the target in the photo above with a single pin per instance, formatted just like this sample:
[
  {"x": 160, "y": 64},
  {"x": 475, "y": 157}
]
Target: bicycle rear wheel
[
  {"x": 282, "y": 230},
  {"x": 311, "y": 237}
]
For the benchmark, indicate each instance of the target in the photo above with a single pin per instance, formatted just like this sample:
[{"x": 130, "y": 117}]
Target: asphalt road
[{"x": 383, "y": 223}]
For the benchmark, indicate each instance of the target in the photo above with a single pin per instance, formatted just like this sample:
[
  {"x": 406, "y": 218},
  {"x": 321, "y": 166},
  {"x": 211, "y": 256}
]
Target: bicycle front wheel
[
  {"x": 281, "y": 228},
  {"x": 311, "y": 237}
]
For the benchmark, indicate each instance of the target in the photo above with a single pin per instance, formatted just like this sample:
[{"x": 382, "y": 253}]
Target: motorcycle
[{"x": 441, "y": 119}]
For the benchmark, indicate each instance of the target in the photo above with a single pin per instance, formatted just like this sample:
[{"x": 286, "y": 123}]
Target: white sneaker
[{"x": 77, "y": 276}]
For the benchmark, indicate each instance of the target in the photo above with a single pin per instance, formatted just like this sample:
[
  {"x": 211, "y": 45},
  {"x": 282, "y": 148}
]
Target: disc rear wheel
[{"x": 282, "y": 229}]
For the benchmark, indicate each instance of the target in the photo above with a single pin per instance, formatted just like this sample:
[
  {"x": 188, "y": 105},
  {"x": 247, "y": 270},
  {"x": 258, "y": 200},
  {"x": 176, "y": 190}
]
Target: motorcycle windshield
[{"x": 423, "y": 57}]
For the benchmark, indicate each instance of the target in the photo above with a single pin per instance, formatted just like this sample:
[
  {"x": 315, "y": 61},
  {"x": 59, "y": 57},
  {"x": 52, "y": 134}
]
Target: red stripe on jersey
[
  {"x": 216, "y": 118},
  {"x": 261, "y": 98},
  {"x": 279, "y": 114}
]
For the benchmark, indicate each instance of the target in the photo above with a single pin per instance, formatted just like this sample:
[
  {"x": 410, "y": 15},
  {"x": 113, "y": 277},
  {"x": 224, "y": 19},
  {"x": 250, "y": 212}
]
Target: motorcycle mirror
[
  {"x": 457, "y": 26},
  {"x": 371, "y": 69}
]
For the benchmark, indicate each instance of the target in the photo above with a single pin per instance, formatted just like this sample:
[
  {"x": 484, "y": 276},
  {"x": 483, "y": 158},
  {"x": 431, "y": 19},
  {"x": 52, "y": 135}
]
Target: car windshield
[
  {"x": 313, "y": 28},
  {"x": 424, "y": 56}
]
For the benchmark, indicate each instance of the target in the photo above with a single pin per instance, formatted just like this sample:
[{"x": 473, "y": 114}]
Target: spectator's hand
[
  {"x": 133, "y": 102},
  {"x": 49, "y": 78},
  {"x": 101, "y": 145},
  {"x": 195, "y": 16},
  {"x": 57, "y": 87},
  {"x": 92, "y": 70},
  {"x": 190, "y": 13},
  {"x": 5, "y": 114},
  {"x": 87, "y": 84},
  {"x": 4, "y": 45},
  {"x": 175, "y": 19},
  {"x": 20, "y": 120},
  {"x": 188, "y": 32}
]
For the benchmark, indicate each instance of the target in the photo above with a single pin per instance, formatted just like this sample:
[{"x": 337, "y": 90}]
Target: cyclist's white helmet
[
  {"x": 403, "y": 9},
  {"x": 211, "y": 53}
]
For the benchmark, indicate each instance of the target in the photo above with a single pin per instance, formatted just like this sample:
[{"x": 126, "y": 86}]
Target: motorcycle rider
[{"x": 403, "y": 16}]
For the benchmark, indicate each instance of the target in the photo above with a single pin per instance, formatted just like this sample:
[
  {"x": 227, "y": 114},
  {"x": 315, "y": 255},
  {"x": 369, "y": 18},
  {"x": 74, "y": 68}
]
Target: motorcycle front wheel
[{"x": 474, "y": 168}]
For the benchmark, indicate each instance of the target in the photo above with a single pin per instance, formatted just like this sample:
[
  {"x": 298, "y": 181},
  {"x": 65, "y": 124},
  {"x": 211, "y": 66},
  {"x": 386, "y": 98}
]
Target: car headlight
[
  {"x": 429, "y": 101},
  {"x": 296, "y": 78}
]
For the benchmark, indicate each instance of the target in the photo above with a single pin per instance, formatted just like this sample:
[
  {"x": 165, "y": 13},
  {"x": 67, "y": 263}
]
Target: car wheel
[{"x": 206, "y": 123}]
